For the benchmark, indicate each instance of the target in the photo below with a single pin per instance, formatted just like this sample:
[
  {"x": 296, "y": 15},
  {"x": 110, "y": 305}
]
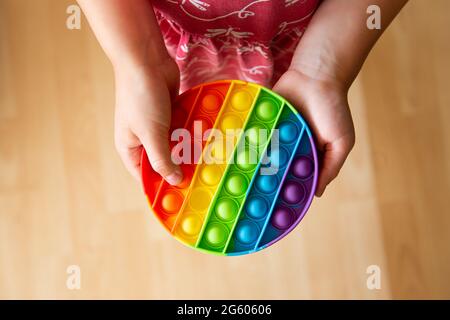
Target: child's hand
[
  {"x": 325, "y": 107},
  {"x": 325, "y": 64},
  {"x": 146, "y": 81},
  {"x": 143, "y": 115}
]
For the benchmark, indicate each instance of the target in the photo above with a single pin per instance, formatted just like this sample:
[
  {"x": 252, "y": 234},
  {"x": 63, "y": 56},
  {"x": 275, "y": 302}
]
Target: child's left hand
[{"x": 324, "y": 105}]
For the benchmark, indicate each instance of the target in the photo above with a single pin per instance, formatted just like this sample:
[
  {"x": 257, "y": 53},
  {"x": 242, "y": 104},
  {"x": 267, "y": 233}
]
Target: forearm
[
  {"x": 127, "y": 31},
  {"x": 337, "y": 41}
]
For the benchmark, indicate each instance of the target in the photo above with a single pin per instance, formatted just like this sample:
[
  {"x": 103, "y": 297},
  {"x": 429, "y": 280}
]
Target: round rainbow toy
[{"x": 233, "y": 207}]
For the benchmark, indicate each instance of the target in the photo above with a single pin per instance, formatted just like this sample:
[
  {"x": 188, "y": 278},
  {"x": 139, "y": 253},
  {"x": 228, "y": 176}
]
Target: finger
[
  {"x": 131, "y": 158},
  {"x": 156, "y": 144},
  {"x": 334, "y": 156}
]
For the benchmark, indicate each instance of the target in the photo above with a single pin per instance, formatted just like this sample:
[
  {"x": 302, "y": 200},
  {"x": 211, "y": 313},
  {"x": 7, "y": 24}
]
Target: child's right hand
[
  {"x": 147, "y": 80},
  {"x": 143, "y": 115}
]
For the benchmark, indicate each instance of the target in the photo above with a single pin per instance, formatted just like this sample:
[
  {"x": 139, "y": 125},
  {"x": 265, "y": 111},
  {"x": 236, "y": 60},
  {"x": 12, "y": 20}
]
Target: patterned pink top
[{"x": 233, "y": 39}]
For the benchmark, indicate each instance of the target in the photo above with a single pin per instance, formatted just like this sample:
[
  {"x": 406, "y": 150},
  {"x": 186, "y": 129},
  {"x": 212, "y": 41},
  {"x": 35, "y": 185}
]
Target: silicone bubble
[
  {"x": 288, "y": 132},
  {"x": 267, "y": 184},
  {"x": 191, "y": 225},
  {"x": 303, "y": 167},
  {"x": 246, "y": 159},
  {"x": 211, "y": 102},
  {"x": 236, "y": 185},
  {"x": 247, "y": 232},
  {"x": 279, "y": 157},
  {"x": 171, "y": 202},
  {"x": 210, "y": 175},
  {"x": 282, "y": 218},
  {"x": 218, "y": 151},
  {"x": 226, "y": 209},
  {"x": 256, "y": 207},
  {"x": 241, "y": 100},
  {"x": 231, "y": 122},
  {"x": 267, "y": 110},
  {"x": 240, "y": 193},
  {"x": 293, "y": 192},
  {"x": 216, "y": 235},
  {"x": 256, "y": 134}
]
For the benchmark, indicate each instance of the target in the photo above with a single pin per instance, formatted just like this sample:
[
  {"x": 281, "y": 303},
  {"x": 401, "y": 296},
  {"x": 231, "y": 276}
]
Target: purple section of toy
[{"x": 295, "y": 195}]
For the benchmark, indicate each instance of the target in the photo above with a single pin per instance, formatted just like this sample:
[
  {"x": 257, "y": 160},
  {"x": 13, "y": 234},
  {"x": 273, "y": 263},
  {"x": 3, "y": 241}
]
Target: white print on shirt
[
  {"x": 288, "y": 3},
  {"x": 203, "y": 6},
  {"x": 256, "y": 69},
  {"x": 227, "y": 49},
  {"x": 254, "y": 47},
  {"x": 228, "y": 32},
  {"x": 245, "y": 47}
]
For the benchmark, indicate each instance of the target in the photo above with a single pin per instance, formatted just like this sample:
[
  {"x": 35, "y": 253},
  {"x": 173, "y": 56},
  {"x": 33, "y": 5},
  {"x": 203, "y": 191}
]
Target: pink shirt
[{"x": 233, "y": 39}]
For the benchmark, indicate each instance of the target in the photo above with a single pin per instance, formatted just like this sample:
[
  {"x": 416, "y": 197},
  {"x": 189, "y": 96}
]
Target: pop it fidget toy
[{"x": 234, "y": 207}]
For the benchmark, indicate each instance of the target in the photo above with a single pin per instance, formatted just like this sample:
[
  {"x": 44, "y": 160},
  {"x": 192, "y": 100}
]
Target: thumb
[
  {"x": 334, "y": 156},
  {"x": 155, "y": 142}
]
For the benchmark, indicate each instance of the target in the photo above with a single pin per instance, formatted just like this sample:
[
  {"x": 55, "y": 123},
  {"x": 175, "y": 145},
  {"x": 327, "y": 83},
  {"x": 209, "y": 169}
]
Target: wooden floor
[{"x": 65, "y": 198}]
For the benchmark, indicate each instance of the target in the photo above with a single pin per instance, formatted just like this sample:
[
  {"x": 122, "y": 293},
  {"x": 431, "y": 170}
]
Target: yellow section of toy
[{"x": 216, "y": 154}]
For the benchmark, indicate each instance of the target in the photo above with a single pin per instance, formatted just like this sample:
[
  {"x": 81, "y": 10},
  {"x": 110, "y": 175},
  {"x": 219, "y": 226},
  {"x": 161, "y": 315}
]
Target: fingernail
[{"x": 174, "y": 178}]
